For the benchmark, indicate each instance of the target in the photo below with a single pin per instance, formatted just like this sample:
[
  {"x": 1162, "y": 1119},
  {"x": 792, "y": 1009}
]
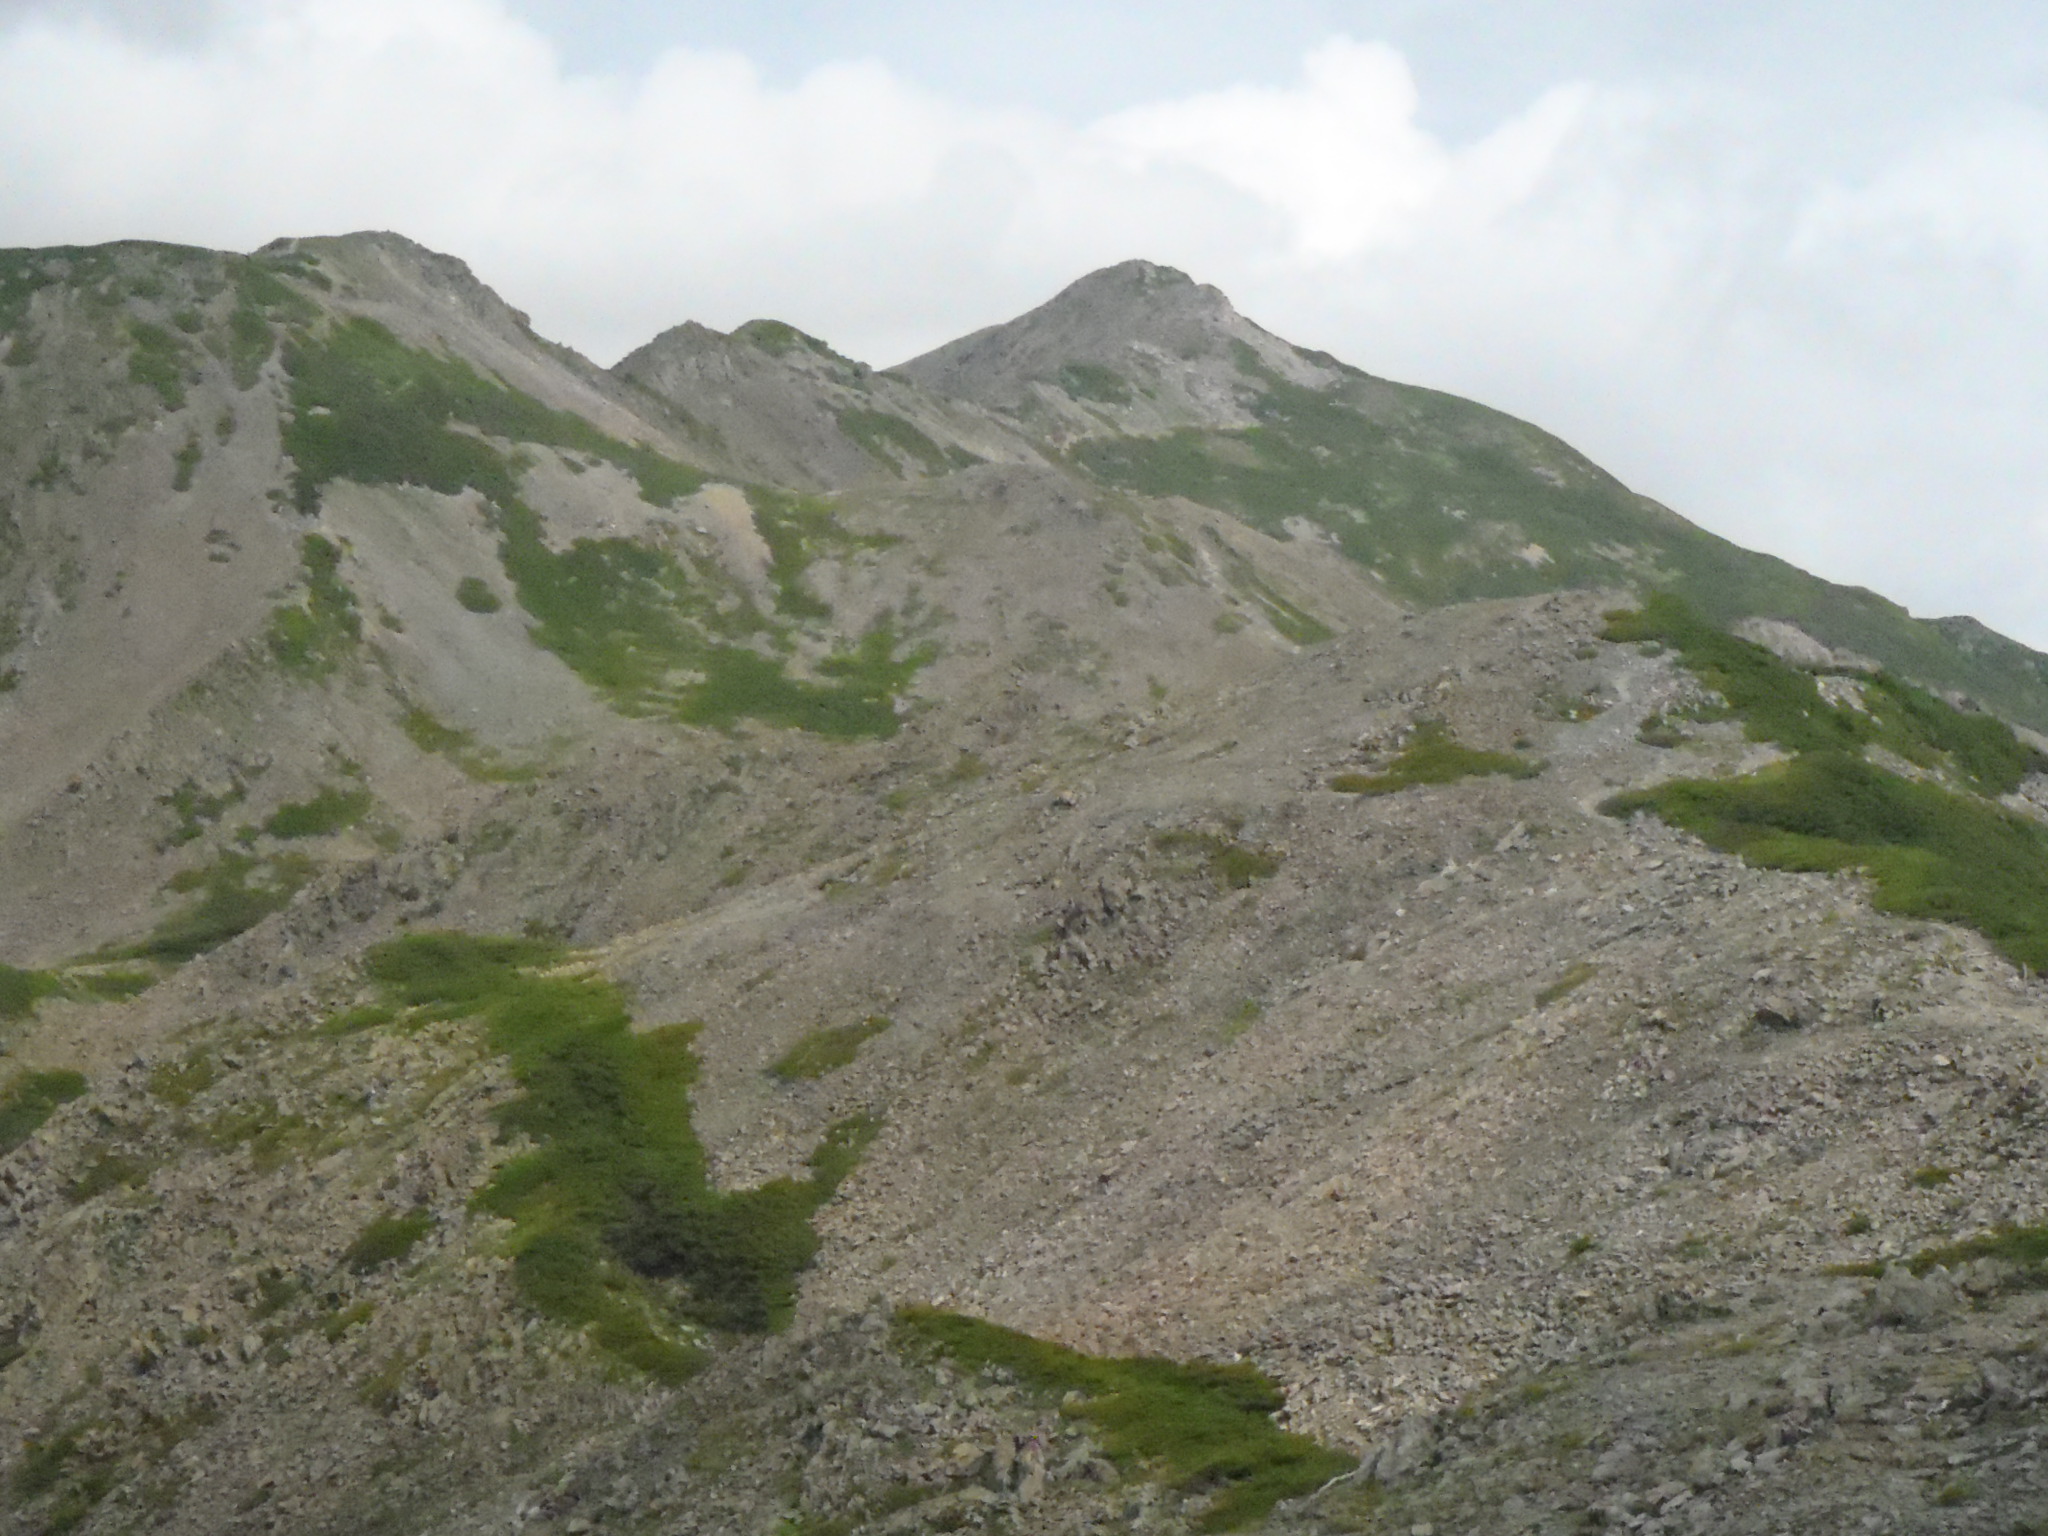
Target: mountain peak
[{"x": 1139, "y": 339}]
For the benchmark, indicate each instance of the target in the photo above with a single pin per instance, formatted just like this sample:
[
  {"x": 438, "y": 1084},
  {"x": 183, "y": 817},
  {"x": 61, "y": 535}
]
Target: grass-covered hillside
[{"x": 1447, "y": 500}]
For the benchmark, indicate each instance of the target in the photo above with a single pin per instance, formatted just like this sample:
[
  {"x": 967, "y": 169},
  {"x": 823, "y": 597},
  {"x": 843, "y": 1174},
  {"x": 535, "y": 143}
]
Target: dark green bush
[
  {"x": 330, "y": 811},
  {"x": 313, "y": 638},
  {"x": 387, "y": 1240},
  {"x": 475, "y": 594}
]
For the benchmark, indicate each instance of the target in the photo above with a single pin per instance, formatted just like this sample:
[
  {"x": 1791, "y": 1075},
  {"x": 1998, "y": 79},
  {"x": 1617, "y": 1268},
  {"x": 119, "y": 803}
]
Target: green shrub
[
  {"x": 615, "y": 1188},
  {"x": 30, "y": 1099},
  {"x": 827, "y": 1050},
  {"x": 20, "y": 991},
  {"x": 387, "y": 1240},
  {"x": 1203, "y": 1429},
  {"x": 313, "y": 638},
  {"x": 475, "y": 594},
  {"x": 1433, "y": 756},
  {"x": 1231, "y": 864},
  {"x": 187, "y": 462},
  {"x": 328, "y": 812},
  {"x": 157, "y": 362}
]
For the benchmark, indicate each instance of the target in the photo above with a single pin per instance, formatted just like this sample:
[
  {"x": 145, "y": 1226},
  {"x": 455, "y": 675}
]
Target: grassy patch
[
  {"x": 1092, "y": 381},
  {"x": 2025, "y": 1248},
  {"x": 186, "y": 463},
  {"x": 1202, "y": 1429},
  {"x": 21, "y": 990},
  {"x": 889, "y": 440},
  {"x": 827, "y": 1050},
  {"x": 1433, "y": 756},
  {"x": 235, "y": 893},
  {"x": 628, "y": 620},
  {"x": 370, "y": 409},
  {"x": 626, "y": 617},
  {"x": 330, "y": 811},
  {"x": 1574, "y": 977},
  {"x": 797, "y": 529},
  {"x": 387, "y": 1240},
  {"x": 1953, "y": 856},
  {"x": 476, "y": 594},
  {"x": 157, "y": 362},
  {"x": 460, "y": 748},
  {"x": 313, "y": 637},
  {"x": 1781, "y": 703},
  {"x": 613, "y": 1197},
  {"x": 29, "y": 1099},
  {"x": 1929, "y": 853},
  {"x": 1231, "y": 864},
  {"x": 197, "y": 809}
]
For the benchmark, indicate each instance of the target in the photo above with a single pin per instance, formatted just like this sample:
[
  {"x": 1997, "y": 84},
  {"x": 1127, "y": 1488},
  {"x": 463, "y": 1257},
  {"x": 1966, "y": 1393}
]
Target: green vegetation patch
[
  {"x": 1200, "y": 1428},
  {"x": 888, "y": 439},
  {"x": 1231, "y": 864},
  {"x": 313, "y": 637},
  {"x": 627, "y": 617},
  {"x": 1784, "y": 704},
  {"x": 1433, "y": 756},
  {"x": 477, "y": 595},
  {"x": 2024, "y": 1248},
  {"x": 157, "y": 362},
  {"x": 368, "y": 408},
  {"x": 29, "y": 1099},
  {"x": 234, "y": 893},
  {"x": 827, "y": 1050},
  {"x": 328, "y": 812},
  {"x": 1929, "y": 852},
  {"x": 387, "y": 1240},
  {"x": 21, "y": 990},
  {"x": 1092, "y": 381},
  {"x": 797, "y": 529},
  {"x": 186, "y": 463},
  {"x": 197, "y": 809},
  {"x": 629, "y": 621},
  {"x": 460, "y": 748},
  {"x": 617, "y": 1226},
  {"x": 1575, "y": 976}
]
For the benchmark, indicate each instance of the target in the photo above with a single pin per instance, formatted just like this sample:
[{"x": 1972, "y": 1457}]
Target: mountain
[{"x": 1121, "y": 926}]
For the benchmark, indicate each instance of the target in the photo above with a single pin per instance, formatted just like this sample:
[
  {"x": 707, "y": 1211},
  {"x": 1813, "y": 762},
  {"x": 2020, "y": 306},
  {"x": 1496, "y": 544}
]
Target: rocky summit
[{"x": 1120, "y": 927}]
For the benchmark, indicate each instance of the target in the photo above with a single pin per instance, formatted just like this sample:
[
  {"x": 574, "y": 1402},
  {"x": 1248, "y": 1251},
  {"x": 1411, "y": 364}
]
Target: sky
[{"x": 1782, "y": 266}]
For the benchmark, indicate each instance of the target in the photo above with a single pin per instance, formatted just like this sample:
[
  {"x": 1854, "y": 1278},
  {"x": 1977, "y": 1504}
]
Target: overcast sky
[{"x": 1783, "y": 266}]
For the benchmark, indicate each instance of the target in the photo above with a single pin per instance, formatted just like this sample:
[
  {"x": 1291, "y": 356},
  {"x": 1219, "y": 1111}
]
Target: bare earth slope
[{"x": 1117, "y": 883}]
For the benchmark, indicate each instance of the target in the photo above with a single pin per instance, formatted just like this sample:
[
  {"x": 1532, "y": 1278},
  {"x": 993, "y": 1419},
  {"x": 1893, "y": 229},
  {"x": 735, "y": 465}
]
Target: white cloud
[{"x": 1846, "y": 373}]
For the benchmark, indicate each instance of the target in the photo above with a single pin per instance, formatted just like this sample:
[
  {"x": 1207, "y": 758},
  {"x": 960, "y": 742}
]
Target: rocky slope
[{"x": 1125, "y": 809}]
